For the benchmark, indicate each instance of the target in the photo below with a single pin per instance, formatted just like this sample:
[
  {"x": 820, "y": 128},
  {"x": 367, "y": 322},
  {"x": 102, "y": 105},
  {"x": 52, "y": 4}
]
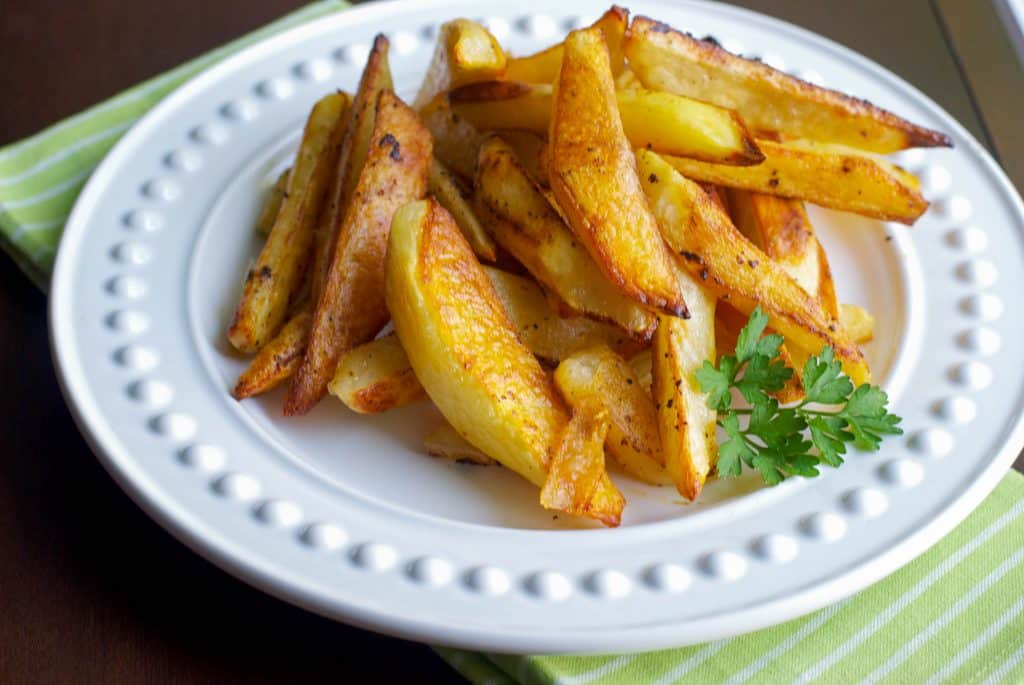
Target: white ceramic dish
[{"x": 345, "y": 516}]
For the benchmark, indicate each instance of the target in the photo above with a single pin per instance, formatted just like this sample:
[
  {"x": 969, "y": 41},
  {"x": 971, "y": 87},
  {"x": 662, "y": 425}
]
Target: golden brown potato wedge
[
  {"x": 627, "y": 80},
  {"x": 858, "y": 322},
  {"x": 275, "y": 281},
  {"x": 272, "y": 205},
  {"x": 596, "y": 376},
  {"x": 728, "y": 324},
  {"x": 375, "y": 377},
  {"x": 456, "y": 141},
  {"x": 465, "y": 52},
  {"x": 542, "y": 67},
  {"x": 529, "y": 150},
  {"x": 766, "y": 98},
  {"x": 351, "y": 309},
  {"x": 719, "y": 257},
  {"x": 463, "y": 347},
  {"x": 576, "y": 478},
  {"x": 376, "y": 77},
  {"x": 658, "y": 121},
  {"x": 550, "y": 337},
  {"x": 454, "y": 197},
  {"x": 642, "y": 366},
  {"x": 780, "y": 227},
  {"x": 278, "y": 359},
  {"x": 594, "y": 178},
  {"x": 446, "y": 443},
  {"x": 827, "y": 175},
  {"x": 523, "y": 222},
  {"x": 685, "y": 422}
]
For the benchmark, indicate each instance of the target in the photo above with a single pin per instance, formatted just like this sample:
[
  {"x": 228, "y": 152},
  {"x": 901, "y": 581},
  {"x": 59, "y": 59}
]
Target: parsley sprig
[{"x": 786, "y": 441}]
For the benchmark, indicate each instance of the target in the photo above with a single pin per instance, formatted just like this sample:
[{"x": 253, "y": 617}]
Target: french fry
[
  {"x": 464, "y": 349},
  {"x": 858, "y": 322},
  {"x": 456, "y": 141},
  {"x": 355, "y": 146},
  {"x": 452, "y": 195},
  {"x": 627, "y": 80},
  {"x": 542, "y": 67},
  {"x": 465, "y": 52},
  {"x": 643, "y": 367},
  {"x": 446, "y": 443},
  {"x": 766, "y": 98},
  {"x": 658, "y": 121},
  {"x": 375, "y": 377},
  {"x": 594, "y": 178},
  {"x": 351, "y": 309},
  {"x": 827, "y": 175},
  {"x": 577, "y": 472},
  {"x": 529, "y": 149},
  {"x": 523, "y": 222},
  {"x": 780, "y": 227},
  {"x": 599, "y": 377},
  {"x": 272, "y": 205},
  {"x": 278, "y": 359},
  {"x": 275, "y": 281},
  {"x": 686, "y": 423},
  {"x": 720, "y": 258},
  {"x": 550, "y": 337}
]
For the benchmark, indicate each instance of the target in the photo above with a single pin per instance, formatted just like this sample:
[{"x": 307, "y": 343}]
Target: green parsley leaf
[{"x": 789, "y": 441}]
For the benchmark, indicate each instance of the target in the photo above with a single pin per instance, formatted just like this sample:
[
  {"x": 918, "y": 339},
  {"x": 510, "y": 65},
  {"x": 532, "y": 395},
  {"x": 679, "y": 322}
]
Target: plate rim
[{"x": 265, "y": 574}]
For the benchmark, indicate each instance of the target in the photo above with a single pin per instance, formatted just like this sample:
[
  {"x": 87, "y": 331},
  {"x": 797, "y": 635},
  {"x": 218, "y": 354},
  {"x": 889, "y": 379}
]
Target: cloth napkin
[{"x": 954, "y": 614}]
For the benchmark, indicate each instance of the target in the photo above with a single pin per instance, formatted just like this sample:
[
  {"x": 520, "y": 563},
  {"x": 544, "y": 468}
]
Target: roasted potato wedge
[
  {"x": 627, "y": 80},
  {"x": 355, "y": 146},
  {"x": 529, "y": 149},
  {"x": 456, "y": 141},
  {"x": 766, "y": 98},
  {"x": 275, "y": 281},
  {"x": 826, "y": 175},
  {"x": 719, "y": 257},
  {"x": 278, "y": 359},
  {"x": 454, "y": 197},
  {"x": 351, "y": 309},
  {"x": 598, "y": 376},
  {"x": 465, "y": 52},
  {"x": 576, "y": 477},
  {"x": 642, "y": 366},
  {"x": 464, "y": 349},
  {"x": 858, "y": 322},
  {"x": 594, "y": 178},
  {"x": 542, "y": 67},
  {"x": 780, "y": 227},
  {"x": 375, "y": 377},
  {"x": 550, "y": 337},
  {"x": 658, "y": 121},
  {"x": 272, "y": 205},
  {"x": 685, "y": 422},
  {"x": 524, "y": 223},
  {"x": 446, "y": 443}
]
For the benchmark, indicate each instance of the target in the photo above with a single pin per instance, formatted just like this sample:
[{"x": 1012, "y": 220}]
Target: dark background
[{"x": 90, "y": 589}]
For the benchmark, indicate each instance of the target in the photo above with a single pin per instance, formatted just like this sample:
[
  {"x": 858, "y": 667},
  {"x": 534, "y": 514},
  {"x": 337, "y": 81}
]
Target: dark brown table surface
[{"x": 92, "y": 590}]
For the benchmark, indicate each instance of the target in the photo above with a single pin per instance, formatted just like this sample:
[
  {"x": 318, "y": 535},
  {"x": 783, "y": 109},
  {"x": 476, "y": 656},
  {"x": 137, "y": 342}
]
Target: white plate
[{"x": 344, "y": 515}]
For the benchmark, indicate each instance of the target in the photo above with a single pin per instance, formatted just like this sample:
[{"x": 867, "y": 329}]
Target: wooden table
[{"x": 92, "y": 590}]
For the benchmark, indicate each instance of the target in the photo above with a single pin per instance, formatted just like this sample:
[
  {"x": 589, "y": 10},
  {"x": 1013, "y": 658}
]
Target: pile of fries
[{"x": 560, "y": 241}]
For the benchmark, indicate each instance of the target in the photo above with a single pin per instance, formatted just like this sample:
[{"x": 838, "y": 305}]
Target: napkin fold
[{"x": 955, "y": 614}]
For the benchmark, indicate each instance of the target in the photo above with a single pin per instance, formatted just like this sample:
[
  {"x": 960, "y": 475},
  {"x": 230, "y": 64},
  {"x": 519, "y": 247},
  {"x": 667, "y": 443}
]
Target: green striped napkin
[{"x": 955, "y": 614}]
